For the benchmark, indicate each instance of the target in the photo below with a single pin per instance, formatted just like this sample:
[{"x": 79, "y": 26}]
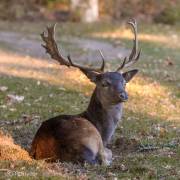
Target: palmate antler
[
  {"x": 52, "y": 49},
  {"x": 134, "y": 55}
]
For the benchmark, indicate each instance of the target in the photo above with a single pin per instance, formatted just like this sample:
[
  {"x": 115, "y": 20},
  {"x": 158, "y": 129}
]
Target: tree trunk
[{"x": 85, "y": 10}]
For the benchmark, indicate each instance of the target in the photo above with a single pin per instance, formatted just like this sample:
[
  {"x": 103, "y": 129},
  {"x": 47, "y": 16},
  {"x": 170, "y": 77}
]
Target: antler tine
[
  {"x": 122, "y": 65},
  {"x": 103, "y": 61},
  {"x": 52, "y": 49},
  {"x": 51, "y": 46},
  {"x": 81, "y": 67},
  {"x": 134, "y": 56},
  {"x": 133, "y": 23}
]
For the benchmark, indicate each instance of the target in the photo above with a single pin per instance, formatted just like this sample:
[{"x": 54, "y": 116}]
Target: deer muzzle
[{"x": 123, "y": 96}]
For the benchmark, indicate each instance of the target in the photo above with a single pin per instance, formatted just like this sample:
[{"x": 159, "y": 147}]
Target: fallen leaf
[
  {"x": 11, "y": 98},
  {"x": 169, "y": 62},
  {"x": 3, "y": 88}
]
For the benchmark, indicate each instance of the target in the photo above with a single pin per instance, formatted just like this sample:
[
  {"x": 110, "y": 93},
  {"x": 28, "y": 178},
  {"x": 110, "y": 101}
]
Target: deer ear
[
  {"x": 91, "y": 75},
  {"x": 129, "y": 74}
]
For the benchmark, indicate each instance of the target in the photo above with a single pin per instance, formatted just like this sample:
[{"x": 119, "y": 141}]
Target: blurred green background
[{"x": 159, "y": 11}]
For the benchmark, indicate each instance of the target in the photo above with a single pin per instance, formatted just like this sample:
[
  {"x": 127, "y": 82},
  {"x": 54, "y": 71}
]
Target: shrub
[{"x": 170, "y": 15}]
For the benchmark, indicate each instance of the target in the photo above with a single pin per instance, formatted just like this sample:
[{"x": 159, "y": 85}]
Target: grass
[{"x": 151, "y": 116}]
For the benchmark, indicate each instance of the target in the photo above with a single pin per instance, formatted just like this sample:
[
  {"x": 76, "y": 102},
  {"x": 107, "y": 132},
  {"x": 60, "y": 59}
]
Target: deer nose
[{"x": 123, "y": 96}]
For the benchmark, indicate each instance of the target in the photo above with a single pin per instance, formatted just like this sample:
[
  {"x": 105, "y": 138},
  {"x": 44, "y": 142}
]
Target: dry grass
[
  {"x": 153, "y": 99},
  {"x": 10, "y": 151}
]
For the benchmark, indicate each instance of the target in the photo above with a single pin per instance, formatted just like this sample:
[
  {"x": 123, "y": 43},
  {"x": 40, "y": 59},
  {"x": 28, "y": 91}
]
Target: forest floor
[{"x": 34, "y": 88}]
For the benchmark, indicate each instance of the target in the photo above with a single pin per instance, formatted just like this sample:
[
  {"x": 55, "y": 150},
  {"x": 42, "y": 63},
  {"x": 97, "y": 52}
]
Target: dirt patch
[
  {"x": 125, "y": 145},
  {"x": 81, "y": 49}
]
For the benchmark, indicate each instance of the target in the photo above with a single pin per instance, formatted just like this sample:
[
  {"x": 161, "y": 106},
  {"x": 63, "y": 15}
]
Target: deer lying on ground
[{"x": 84, "y": 137}]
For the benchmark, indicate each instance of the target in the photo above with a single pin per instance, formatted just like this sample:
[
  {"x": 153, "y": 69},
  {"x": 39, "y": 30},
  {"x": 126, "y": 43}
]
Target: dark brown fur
[{"x": 68, "y": 139}]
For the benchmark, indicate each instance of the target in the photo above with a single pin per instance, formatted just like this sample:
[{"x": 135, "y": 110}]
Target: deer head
[{"x": 110, "y": 86}]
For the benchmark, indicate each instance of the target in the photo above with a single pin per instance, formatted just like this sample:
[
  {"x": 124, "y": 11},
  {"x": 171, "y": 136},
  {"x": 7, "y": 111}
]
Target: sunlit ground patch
[
  {"x": 170, "y": 40},
  {"x": 41, "y": 70},
  {"x": 150, "y": 97}
]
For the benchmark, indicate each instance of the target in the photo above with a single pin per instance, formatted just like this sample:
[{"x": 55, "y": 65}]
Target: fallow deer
[{"x": 84, "y": 137}]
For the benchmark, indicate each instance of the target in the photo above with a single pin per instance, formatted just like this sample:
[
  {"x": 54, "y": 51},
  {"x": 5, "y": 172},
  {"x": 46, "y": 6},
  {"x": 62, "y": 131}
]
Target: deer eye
[
  {"x": 124, "y": 85},
  {"x": 105, "y": 83}
]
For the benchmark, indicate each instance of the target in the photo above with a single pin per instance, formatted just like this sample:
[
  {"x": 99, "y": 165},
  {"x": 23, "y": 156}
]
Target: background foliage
[{"x": 161, "y": 11}]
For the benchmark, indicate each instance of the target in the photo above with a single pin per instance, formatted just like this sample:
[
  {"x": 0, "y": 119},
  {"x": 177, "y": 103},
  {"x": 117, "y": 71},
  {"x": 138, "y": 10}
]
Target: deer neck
[{"x": 104, "y": 116}]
